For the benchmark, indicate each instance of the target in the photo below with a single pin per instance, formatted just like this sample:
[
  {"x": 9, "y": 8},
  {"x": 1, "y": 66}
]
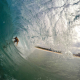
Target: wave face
[
  {"x": 53, "y": 24},
  {"x": 48, "y": 23}
]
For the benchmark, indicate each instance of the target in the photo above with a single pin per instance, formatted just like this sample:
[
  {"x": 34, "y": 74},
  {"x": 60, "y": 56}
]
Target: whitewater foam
[{"x": 46, "y": 24}]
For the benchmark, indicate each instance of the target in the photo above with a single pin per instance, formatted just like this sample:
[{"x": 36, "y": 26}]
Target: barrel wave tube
[{"x": 44, "y": 28}]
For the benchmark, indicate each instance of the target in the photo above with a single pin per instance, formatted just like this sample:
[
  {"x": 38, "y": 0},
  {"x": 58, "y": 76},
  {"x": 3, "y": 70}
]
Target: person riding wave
[{"x": 16, "y": 40}]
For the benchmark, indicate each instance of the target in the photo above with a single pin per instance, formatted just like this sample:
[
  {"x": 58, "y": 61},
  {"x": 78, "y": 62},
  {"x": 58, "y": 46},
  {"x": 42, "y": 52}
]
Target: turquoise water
[{"x": 52, "y": 24}]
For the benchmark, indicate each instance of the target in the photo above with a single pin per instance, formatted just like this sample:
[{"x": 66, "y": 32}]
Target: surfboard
[{"x": 47, "y": 49}]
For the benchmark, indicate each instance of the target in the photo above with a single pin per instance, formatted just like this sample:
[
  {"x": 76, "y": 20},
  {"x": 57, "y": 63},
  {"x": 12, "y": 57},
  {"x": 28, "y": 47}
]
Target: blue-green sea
[{"x": 52, "y": 24}]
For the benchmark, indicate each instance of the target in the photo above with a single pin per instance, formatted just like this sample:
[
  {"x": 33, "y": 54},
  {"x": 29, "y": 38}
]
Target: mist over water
[{"x": 52, "y": 24}]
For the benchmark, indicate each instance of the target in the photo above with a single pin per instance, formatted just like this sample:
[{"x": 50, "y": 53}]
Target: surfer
[{"x": 16, "y": 40}]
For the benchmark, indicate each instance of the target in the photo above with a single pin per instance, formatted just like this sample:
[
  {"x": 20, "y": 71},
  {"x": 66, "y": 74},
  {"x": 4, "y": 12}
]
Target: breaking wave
[{"x": 53, "y": 24}]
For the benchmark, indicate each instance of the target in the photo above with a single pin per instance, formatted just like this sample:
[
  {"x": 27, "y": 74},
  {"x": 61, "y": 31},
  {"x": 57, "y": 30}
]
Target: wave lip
[{"x": 47, "y": 49}]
